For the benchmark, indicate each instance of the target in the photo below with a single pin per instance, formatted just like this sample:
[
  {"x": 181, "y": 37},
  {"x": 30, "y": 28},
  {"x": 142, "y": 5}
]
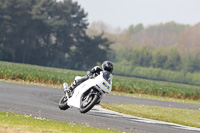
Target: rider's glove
[{"x": 89, "y": 74}]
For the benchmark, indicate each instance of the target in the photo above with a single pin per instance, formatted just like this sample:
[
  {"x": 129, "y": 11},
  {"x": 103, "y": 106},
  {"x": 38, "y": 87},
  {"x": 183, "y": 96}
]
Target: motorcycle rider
[{"x": 106, "y": 66}]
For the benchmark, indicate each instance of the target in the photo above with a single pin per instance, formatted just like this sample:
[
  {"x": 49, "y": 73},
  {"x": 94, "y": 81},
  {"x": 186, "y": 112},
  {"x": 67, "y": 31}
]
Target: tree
[
  {"x": 142, "y": 56},
  {"x": 173, "y": 60},
  {"x": 159, "y": 58},
  {"x": 92, "y": 50},
  {"x": 191, "y": 63},
  {"x": 135, "y": 29},
  {"x": 189, "y": 40},
  {"x": 13, "y": 14},
  {"x": 49, "y": 33}
]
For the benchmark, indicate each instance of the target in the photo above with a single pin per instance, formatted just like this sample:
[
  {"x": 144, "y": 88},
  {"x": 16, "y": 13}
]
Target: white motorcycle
[{"x": 89, "y": 93}]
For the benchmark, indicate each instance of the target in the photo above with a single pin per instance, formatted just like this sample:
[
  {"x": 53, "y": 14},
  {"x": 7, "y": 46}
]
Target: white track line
[{"x": 99, "y": 109}]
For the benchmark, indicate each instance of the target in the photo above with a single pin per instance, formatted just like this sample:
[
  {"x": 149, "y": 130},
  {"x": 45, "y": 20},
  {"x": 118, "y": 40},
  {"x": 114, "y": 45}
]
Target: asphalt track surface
[{"x": 43, "y": 102}]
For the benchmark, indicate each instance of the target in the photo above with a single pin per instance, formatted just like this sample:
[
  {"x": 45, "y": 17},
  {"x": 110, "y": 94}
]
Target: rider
[{"x": 106, "y": 66}]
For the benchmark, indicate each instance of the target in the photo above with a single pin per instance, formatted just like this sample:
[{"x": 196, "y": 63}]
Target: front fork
[{"x": 92, "y": 92}]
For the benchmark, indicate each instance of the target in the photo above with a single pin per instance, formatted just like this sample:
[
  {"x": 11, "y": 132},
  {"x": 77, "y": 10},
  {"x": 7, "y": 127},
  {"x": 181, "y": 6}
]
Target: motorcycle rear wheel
[{"x": 63, "y": 103}]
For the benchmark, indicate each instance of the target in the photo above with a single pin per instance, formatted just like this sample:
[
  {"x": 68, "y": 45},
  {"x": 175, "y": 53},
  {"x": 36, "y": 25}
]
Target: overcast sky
[{"x": 123, "y": 13}]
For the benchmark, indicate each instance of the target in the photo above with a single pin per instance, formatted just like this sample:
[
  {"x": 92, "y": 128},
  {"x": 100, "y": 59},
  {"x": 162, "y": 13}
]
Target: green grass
[
  {"x": 48, "y": 75},
  {"x": 180, "y": 116},
  {"x": 157, "y": 88},
  {"x": 161, "y": 98},
  {"x": 27, "y": 123},
  {"x": 35, "y": 73}
]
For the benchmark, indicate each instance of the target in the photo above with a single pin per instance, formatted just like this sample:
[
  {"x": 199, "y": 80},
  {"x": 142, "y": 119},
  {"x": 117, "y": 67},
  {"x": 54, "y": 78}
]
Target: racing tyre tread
[
  {"x": 91, "y": 105},
  {"x": 63, "y": 105}
]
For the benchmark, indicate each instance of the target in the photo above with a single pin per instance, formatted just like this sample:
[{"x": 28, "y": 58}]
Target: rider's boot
[
  {"x": 69, "y": 90},
  {"x": 65, "y": 87}
]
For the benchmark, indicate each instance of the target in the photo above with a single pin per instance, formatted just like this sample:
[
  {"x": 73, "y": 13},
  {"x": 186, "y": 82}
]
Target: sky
[{"x": 123, "y": 13}]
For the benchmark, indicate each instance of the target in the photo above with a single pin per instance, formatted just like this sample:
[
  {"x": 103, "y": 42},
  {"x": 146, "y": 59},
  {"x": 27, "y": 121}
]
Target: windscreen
[{"x": 107, "y": 76}]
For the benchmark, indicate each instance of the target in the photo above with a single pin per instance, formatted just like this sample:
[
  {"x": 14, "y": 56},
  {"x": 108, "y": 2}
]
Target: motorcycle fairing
[{"x": 75, "y": 100}]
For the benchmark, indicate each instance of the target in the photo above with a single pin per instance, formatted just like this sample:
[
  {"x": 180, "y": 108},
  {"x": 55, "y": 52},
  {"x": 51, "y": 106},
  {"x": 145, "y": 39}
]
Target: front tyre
[
  {"x": 63, "y": 103},
  {"x": 91, "y": 101}
]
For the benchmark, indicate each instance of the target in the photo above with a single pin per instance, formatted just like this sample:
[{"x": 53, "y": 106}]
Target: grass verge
[
  {"x": 146, "y": 96},
  {"x": 179, "y": 116},
  {"x": 56, "y": 76},
  {"x": 13, "y": 123}
]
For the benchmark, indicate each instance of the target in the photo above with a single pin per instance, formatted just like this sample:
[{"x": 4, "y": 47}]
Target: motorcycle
[{"x": 89, "y": 93}]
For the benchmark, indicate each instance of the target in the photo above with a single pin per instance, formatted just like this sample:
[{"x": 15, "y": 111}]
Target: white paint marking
[{"x": 139, "y": 119}]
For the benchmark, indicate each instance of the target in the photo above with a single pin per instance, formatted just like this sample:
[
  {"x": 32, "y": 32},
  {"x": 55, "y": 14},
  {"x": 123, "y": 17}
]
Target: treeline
[
  {"x": 164, "y": 35},
  {"x": 168, "y": 59},
  {"x": 48, "y": 33},
  {"x": 168, "y": 52},
  {"x": 160, "y": 64},
  {"x": 168, "y": 46}
]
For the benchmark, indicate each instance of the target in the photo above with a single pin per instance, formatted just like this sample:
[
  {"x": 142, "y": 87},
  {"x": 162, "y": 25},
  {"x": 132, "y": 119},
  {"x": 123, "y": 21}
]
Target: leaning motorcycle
[{"x": 89, "y": 93}]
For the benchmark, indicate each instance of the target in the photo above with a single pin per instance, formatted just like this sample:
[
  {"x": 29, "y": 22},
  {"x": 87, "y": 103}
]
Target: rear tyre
[
  {"x": 93, "y": 100},
  {"x": 63, "y": 103}
]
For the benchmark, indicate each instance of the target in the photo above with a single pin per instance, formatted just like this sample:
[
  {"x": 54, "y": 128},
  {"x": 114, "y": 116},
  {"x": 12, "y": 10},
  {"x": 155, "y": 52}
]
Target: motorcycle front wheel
[
  {"x": 63, "y": 103},
  {"x": 88, "y": 103}
]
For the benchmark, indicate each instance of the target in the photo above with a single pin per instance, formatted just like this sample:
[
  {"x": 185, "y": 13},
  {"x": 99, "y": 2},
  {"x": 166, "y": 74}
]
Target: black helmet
[{"x": 108, "y": 66}]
